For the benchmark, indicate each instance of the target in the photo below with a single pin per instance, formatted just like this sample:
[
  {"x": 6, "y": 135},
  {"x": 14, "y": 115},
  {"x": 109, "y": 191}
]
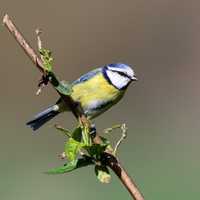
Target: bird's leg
[
  {"x": 123, "y": 136},
  {"x": 93, "y": 130}
]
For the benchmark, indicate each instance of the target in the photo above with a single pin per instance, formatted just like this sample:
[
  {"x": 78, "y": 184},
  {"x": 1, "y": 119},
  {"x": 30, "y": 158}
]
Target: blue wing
[{"x": 87, "y": 76}]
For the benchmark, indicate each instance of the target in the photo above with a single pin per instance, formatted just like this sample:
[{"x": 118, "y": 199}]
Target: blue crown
[{"x": 118, "y": 65}]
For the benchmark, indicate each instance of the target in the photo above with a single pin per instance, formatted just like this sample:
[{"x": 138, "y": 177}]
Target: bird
[{"x": 95, "y": 91}]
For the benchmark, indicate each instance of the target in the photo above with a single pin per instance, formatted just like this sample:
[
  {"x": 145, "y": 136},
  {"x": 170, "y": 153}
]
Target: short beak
[{"x": 134, "y": 78}]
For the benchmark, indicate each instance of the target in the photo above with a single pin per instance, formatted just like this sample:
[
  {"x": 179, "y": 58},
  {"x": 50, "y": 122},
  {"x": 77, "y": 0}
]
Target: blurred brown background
[{"x": 161, "y": 38}]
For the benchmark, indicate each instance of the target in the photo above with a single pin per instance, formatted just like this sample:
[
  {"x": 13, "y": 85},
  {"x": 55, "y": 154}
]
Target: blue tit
[{"x": 96, "y": 92}]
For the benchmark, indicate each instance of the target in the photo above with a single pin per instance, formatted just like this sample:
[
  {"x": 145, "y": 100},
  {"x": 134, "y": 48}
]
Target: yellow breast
[{"x": 95, "y": 89}]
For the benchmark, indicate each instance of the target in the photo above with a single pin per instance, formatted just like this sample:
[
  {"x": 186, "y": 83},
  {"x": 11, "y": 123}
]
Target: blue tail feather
[{"x": 42, "y": 118}]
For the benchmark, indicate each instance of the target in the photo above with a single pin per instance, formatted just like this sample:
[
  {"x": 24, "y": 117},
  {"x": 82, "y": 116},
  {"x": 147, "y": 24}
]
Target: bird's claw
[{"x": 93, "y": 130}]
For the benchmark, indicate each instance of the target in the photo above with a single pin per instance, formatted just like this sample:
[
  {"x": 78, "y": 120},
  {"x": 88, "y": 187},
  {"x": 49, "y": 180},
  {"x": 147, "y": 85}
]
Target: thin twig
[
  {"x": 123, "y": 136},
  {"x": 41, "y": 84},
  {"x": 39, "y": 41},
  {"x": 63, "y": 130},
  {"x": 110, "y": 159},
  {"x": 22, "y": 42}
]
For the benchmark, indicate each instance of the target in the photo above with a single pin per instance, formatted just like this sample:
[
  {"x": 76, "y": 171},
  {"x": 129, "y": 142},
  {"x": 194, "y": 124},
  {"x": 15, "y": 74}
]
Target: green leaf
[
  {"x": 47, "y": 59},
  {"x": 68, "y": 167},
  {"x": 64, "y": 169},
  {"x": 77, "y": 134},
  {"x": 102, "y": 174},
  {"x": 106, "y": 143},
  {"x": 96, "y": 150},
  {"x": 71, "y": 149}
]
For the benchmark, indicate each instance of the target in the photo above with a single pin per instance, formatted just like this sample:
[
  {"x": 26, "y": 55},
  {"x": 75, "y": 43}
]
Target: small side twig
[
  {"x": 123, "y": 136},
  {"x": 110, "y": 159},
  {"x": 63, "y": 130},
  {"x": 39, "y": 41},
  {"x": 42, "y": 83}
]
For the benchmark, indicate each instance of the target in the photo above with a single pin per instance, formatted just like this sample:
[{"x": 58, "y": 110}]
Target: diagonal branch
[
  {"x": 108, "y": 157},
  {"x": 22, "y": 42}
]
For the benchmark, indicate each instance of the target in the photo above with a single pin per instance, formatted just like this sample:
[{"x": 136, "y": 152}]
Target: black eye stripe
[{"x": 122, "y": 74}]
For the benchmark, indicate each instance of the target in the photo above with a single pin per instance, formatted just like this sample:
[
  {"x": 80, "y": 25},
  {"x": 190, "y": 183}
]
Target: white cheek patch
[{"x": 117, "y": 80}]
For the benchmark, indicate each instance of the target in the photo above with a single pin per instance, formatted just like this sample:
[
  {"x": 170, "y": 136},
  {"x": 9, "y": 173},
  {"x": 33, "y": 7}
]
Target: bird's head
[{"x": 120, "y": 75}]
